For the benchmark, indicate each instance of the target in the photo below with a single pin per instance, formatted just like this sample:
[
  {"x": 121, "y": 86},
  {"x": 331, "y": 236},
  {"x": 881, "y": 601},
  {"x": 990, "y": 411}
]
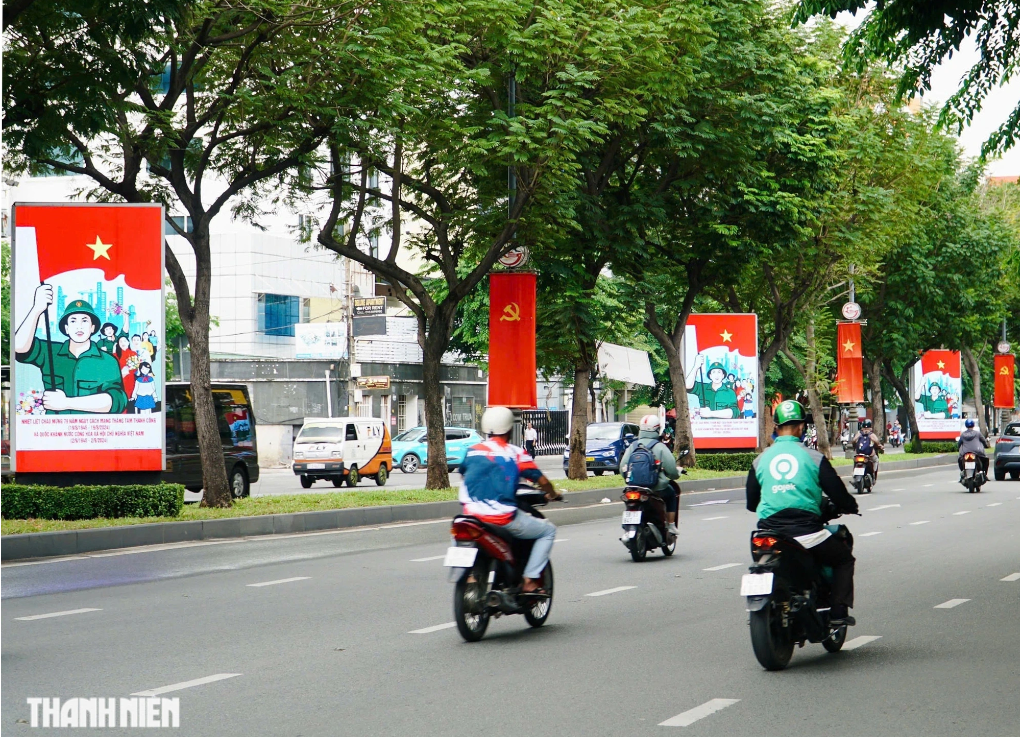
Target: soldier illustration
[
  {"x": 934, "y": 403},
  {"x": 717, "y": 399},
  {"x": 78, "y": 377}
]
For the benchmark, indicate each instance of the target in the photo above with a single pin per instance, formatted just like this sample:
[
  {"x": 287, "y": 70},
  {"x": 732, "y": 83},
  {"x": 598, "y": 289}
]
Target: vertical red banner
[
  {"x": 849, "y": 363},
  {"x": 512, "y": 366},
  {"x": 1005, "y": 388}
]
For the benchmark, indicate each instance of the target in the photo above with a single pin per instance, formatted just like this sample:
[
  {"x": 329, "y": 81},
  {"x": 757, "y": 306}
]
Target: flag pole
[{"x": 49, "y": 343}]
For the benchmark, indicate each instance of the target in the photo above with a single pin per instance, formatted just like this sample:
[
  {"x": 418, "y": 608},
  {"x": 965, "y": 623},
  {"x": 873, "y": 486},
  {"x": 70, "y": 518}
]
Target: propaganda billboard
[
  {"x": 937, "y": 389},
  {"x": 87, "y": 342},
  {"x": 720, "y": 356}
]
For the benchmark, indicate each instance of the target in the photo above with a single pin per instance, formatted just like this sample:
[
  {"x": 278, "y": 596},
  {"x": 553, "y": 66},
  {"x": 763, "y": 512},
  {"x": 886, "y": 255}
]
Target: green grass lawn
[{"x": 841, "y": 461}]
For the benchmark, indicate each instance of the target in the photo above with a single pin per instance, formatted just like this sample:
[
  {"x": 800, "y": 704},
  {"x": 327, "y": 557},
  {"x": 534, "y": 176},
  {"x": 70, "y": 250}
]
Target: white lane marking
[
  {"x": 690, "y": 716},
  {"x": 186, "y": 684},
  {"x": 709, "y": 519},
  {"x": 966, "y": 511},
  {"x": 869, "y": 534},
  {"x": 562, "y": 540},
  {"x": 433, "y": 628},
  {"x": 1011, "y": 577},
  {"x": 714, "y": 501},
  {"x": 610, "y": 591},
  {"x": 927, "y": 485},
  {"x": 900, "y": 489},
  {"x": 719, "y": 568},
  {"x": 884, "y": 506},
  {"x": 56, "y": 614},
  {"x": 921, "y": 522},
  {"x": 431, "y": 557},
  {"x": 951, "y": 603},
  {"x": 279, "y": 580},
  {"x": 860, "y": 641},
  {"x": 996, "y": 504}
]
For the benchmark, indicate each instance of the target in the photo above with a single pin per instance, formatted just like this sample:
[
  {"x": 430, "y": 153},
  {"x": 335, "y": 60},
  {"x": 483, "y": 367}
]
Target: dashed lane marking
[
  {"x": 610, "y": 591},
  {"x": 880, "y": 508},
  {"x": 927, "y": 485},
  {"x": 869, "y": 534},
  {"x": 714, "y": 501},
  {"x": 860, "y": 641},
  {"x": 1011, "y": 577},
  {"x": 709, "y": 519},
  {"x": 965, "y": 511},
  {"x": 951, "y": 603},
  {"x": 186, "y": 684},
  {"x": 921, "y": 522},
  {"x": 899, "y": 489},
  {"x": 56, "y": 614},
  {"x": 426, "y": 560},
  {"x": 433, "y": 628},
  {"x": 719, "y": 568},
  {"x": 994, "y": 504},
  {"x": 279, "y": 580},
  {"x": 690, "y": 716}
]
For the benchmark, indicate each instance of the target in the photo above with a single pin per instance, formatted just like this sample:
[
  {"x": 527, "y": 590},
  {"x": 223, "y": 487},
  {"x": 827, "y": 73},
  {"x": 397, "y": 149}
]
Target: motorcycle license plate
[
  {"x": 314, "y": 466},
  {"x": 858, "y": 472},
  {"x": 632, "y": 518},
  {"x": 756, "y": 584},
  {"x": 460, "y": 557},
  {"x": 970, "y": 465}
]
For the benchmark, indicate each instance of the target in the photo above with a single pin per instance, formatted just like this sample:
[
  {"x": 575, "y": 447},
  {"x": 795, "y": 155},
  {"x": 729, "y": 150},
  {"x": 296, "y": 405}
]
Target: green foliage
[
  {"x": 21, "y": 501},
  {"x": 726, "y": 461},
  {"x": 938, "y": 446}
]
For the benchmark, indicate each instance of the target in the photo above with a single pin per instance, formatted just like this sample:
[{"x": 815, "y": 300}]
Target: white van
[{"x": 343, "y": 449}]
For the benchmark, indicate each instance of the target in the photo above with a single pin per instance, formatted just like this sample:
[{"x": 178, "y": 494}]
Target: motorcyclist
[
  {"x": 866, "y": 441},
  {"x": 666, "y": 486},
  {"x": 972, "y": 441},
  {"x": 488, "y": 490},
  {"x": 785, "y": 487}
]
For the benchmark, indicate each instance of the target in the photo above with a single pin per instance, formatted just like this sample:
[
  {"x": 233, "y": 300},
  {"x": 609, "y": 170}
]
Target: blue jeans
[{"x": 542, "y": 531}]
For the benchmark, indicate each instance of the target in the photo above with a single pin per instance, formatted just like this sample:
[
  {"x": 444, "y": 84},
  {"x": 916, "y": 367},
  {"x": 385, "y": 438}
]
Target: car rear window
[
  {"x": 320, "y": 434},
  {"x": 1012, "y": 431}
]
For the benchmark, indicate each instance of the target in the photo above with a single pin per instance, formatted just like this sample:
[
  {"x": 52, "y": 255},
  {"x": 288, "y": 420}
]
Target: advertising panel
[
  {"x": 322, "y": 340},
  {"x": 937, "y": 390},
  {"x": 512, "y": 362},
  {"x": 88, "y": 342},
  {"x": 720, "y": 355}
]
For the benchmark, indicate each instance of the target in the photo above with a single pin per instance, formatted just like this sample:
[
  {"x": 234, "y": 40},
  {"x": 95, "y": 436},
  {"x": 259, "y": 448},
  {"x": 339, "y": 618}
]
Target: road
[{"x": 348, "y": 635}]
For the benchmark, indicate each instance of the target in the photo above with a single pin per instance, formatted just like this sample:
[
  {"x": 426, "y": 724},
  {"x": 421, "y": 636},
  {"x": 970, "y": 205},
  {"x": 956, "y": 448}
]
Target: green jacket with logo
[{"x": 785, "y": 487}]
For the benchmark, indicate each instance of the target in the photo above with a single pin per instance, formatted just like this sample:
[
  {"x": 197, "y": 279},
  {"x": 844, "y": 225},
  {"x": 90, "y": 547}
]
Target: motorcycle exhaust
[{"x": 656, "y": 534}]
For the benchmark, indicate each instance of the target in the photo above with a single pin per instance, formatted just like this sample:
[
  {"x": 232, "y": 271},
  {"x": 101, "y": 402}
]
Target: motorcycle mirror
[{"x": 682, "y": 453}]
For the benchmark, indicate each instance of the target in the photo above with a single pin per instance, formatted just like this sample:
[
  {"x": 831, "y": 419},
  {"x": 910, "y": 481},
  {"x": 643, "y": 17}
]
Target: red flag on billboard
[
  {"x": 948, "y": 362},
  {"x": 727, "y": 330},
  {"x": 512, "y": 366},
  {"x": 82, "y": 237},
  {"x": 849, "y": 363},
  {"x": 1005, "y": 388}
]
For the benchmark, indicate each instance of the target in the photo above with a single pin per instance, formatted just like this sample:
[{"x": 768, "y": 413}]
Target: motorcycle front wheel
[
  {"x": 469, "y": 608},
  {"x": 772, "y": 643},
  {"x": 639, "y": 546},
  {"x": 539, "y": 611}
]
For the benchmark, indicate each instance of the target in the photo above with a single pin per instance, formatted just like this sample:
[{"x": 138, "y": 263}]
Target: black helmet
[{"x": 866, "y": 424}]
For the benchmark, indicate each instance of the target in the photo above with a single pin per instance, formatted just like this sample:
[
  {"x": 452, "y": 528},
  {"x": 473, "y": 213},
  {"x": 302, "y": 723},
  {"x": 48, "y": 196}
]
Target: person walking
[{"x": 530, "y": 440}]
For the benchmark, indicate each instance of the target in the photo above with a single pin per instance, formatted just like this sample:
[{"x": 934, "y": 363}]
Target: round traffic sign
[
  {"x": 851, "y": 310},
  {"x": 515, "y": 257},
  {"x": 1002, "y": 347}
]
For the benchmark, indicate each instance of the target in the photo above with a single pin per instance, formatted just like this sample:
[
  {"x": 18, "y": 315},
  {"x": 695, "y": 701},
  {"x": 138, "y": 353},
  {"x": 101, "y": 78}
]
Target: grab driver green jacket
[{"x": 785, "y": 487}]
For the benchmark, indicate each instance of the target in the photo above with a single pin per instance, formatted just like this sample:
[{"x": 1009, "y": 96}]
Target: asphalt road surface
[{"x": 350, "y": 632}]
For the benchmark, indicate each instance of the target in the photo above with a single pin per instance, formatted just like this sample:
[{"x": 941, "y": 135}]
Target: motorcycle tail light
[
  {"x": 860, "y": 459},
  {"x": 632, "y": 496},
  {"x": 763, "y": 543},
  {"x": 465, "y": 532},
  {"x": 969, "y": 457}
]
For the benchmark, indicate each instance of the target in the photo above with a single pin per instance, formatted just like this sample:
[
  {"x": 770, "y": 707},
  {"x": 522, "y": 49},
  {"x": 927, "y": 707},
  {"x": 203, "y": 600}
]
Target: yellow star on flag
[
  {"x": 849, "y": 345},
  {"x": 726, "y": 335},
  {"x": 942, "y": 364},
  {"x": 100, "y": 249}
]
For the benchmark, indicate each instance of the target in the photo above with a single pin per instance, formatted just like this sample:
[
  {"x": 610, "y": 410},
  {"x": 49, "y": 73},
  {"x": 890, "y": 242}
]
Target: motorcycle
[
  {"x": 488, "y": 565},
  {"x": 863, "y": 480},
  {"x": 972, "y": 476},
  {"x": 644, "y": 522},
  {"x": 788, "y": 596},
  {"x": 895, "y": 439}
]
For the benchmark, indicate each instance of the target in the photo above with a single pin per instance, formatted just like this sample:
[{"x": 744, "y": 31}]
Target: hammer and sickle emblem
[
  {"x": 1004, "y": 371},
  {"x": 511, "y": 313}
]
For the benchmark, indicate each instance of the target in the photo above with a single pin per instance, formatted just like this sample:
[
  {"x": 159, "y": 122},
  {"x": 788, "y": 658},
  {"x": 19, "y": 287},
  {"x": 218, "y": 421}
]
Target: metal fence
[{"x": 552, "y": 427}]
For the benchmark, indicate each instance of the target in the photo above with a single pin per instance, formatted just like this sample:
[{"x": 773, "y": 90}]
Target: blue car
[
  {"x": 410, "y": 448},
  {"x": 606, "y": 444}
]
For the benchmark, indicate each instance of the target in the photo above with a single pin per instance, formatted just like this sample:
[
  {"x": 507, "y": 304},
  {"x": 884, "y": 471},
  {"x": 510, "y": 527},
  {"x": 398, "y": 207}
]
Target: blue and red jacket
[{"x": 490, "y": 472}]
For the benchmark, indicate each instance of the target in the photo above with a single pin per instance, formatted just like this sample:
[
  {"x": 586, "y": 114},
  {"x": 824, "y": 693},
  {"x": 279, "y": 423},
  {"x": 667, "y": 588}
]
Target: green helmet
[
  {"x": 78, "y": 306},
  {"x": 714, "y": 366},
  {"x": 789, "y": 411}
]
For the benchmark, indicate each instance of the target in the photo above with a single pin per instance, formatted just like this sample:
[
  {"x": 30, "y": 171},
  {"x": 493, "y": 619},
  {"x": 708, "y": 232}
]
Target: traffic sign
[
  {"x": 515, "y": 257},
  {"x": 1002, "y": 347},
  {"x": 851, "y": 310}
]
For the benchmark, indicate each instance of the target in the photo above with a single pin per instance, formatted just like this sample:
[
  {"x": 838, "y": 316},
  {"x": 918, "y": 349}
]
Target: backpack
[
  {"x": 863, "y": 445},
  {"x": 643, "y": 468}
]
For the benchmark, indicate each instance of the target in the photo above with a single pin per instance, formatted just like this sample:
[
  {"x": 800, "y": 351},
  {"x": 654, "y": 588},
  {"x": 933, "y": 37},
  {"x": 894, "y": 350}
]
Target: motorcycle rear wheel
[
  {"x": 668, "y": 550},
  {"x": 468, "y": 597},
  {"x": 639, "y": 546},
  {"x": 539, "y": 611},
  {"x": 772, "y": 643},
  {"x": 835, "y": 643}
]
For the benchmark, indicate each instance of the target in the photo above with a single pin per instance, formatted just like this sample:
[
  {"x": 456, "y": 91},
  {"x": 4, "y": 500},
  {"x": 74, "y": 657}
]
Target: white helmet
[
  {"x": 650, "y": 423},
  {"x": 497, "y": 421}
]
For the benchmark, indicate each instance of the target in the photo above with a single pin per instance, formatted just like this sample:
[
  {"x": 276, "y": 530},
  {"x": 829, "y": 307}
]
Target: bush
[
  {"x": 20, "y": 501},
  {"x": 938, "y": 446},
  {"x": 725, "y": 461}
]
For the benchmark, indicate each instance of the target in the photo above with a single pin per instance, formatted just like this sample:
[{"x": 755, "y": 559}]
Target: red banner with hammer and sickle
[
  {"x": 512, "y": 366},
  {"x": 849, "y": 363},
  {"x": 1005, "y": 389}
]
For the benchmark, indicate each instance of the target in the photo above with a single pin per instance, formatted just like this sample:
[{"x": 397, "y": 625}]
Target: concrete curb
[{"x": 73, "y": 542}]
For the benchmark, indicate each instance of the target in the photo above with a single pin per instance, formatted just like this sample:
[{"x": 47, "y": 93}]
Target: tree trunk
[
  {"x": 216, "y": 490},
  {"x": 807, "y": 371},
  {"x": 974, "y": 369},
  {"x": 437, "y": 476},
  {"x": 577, "y": 467},
  {"x": 908, "y": 404},
  {"x": 874, "y": 369},
  {"x": 684, "y": 439},
  {"x": 766, "y": 424}
]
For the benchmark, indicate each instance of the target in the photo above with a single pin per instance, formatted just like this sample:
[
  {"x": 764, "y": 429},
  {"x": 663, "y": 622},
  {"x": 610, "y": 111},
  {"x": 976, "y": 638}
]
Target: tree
[
  {"x": 921, "y": 34},
  {"x": 5, "y": 308},
  {"x": 206, "y": 96}
]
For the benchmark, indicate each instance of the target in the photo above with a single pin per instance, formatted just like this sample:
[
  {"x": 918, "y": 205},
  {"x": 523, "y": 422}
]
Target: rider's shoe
[
  {"x": 672, "y": 529},
  {"x": 846, "y": 621}
]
